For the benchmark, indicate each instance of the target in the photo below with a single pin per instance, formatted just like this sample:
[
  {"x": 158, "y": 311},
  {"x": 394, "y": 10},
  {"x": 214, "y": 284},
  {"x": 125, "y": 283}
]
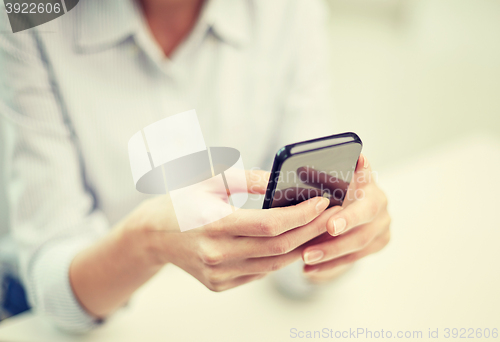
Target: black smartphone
[{"x": 318, "y": 167}]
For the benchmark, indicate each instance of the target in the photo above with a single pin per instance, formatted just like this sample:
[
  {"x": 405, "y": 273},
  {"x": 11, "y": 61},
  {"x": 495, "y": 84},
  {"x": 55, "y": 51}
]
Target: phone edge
[{"x": 284, "y": 153}]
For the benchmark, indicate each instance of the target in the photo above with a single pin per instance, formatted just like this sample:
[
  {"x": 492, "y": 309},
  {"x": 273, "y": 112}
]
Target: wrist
[
  {"x": 104, "y": 275},
  {"x": 139, "y": 235}
]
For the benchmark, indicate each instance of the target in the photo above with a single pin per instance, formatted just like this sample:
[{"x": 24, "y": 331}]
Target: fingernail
[
  {"x": 339, "y": 225},
  {"x": 365, "y": 163},
  {"x": 313, "y": 256},
  {"x": 322, "y": 204}
]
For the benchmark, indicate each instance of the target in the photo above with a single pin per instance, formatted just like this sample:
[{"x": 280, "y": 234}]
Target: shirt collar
[
  {"x": 230, "y": 20},
  {"x": 102, "y": 24}
]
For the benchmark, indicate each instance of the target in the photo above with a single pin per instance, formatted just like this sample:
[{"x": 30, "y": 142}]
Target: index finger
[{"x": 272, "y": 222}]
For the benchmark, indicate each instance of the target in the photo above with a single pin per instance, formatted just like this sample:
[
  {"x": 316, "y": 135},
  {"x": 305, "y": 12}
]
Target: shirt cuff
[{"x": 50, "y": 289}]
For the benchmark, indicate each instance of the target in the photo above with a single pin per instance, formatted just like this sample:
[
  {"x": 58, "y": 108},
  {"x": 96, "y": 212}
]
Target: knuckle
[
  {"x": 350, "y": 258},
  {"x": 214, "y": 276},
  {"x": 278, "y": 248},
  {"x": 210, "y": 256},
  {"x": 269, "y": 226},
  {"x": 281, "y": 246},
  {"x": 276, "y": 265},
  {"x": 364, "y": 239},
  {"x": 215, "y": 287}
]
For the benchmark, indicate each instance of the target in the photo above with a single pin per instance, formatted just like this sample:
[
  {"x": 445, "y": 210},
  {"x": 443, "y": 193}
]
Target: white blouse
[{"x": 74, "y": 90}]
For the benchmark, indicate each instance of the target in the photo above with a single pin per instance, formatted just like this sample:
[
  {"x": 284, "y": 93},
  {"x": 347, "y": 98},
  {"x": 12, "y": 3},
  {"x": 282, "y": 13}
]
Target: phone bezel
[{"x": 285, "y": 152}]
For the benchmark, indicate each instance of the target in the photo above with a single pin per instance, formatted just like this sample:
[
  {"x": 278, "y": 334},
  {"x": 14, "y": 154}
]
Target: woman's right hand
[{"x": 237, "y": 249}]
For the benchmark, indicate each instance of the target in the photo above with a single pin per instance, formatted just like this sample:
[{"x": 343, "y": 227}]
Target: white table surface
[{"x": 441, "y": 270}]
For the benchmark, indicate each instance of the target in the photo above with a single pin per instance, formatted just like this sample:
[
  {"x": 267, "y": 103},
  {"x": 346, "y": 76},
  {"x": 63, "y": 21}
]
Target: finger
[
  {"x": 217, "y": 274},
  {"x": 271, "y": 222},
  {"x": 290, "y": 240},
  {"x": 236, "y": 282},
  {"x": 269, "y": 264},
  {"x": 359, "y": 212},
  {"x": 377, "y": 244},
  {"x": 363, "y": 163},
  {"x": 328, "y": 275},
  {"x": 284, "y": 243},
  {"x": 353, "y": 241},
  {"x": 256, "y": 181},
  {"x": 363, "y": 174}
]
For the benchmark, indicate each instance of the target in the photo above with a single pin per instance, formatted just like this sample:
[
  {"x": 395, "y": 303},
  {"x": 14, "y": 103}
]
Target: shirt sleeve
[
  {"x": 308, "y": 110},
  {"x": 53, "y": 213}
]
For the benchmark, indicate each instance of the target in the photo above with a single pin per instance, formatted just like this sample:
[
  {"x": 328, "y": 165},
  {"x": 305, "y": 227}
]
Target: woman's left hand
[{"x": 360, "y": 229}]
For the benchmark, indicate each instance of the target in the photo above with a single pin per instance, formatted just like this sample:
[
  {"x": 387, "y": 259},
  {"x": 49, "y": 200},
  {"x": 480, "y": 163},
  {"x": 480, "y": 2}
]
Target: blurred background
[{"x": 409, "y": 75}]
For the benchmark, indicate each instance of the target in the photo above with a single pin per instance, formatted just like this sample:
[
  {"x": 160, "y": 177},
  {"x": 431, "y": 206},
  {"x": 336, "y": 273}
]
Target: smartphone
[{"x": 318, "y": 167}]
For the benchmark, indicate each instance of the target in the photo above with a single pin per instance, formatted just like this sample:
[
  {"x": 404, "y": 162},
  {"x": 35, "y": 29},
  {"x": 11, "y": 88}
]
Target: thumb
[{"x": 255, "y": 181}]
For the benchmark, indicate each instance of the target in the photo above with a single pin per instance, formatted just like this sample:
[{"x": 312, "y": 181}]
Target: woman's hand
[
  {"x": 239, "y": 248},
  {"x": 360, "y": 229}
]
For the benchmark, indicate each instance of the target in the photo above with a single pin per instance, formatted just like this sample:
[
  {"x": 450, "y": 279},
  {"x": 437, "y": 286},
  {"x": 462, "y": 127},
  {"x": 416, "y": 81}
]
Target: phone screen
[{"x": 326, "y": 172}]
